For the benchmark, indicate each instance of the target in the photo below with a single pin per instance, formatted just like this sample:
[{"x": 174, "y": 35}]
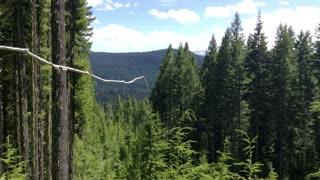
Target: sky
[{"x": 145, "y": 25}]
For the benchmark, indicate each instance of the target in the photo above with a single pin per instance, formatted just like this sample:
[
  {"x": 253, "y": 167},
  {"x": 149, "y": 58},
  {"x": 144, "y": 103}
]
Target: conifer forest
[{"x": 247, "y": 112}]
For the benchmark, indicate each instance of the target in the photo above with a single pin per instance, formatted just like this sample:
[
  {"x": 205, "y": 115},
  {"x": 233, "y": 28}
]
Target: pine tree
[
  {"x": 162, "y": 96},
  {"x": 317, "y": 55},
  {"x": 78, "y": 32},
  {"x": 22, "y": 99},
  {"x": 257, "y": 95},
  {"x": 283, "y": 71},
  {"x": 208, "y": 81},
  {"x": 152, "y": 145},
  {"x": 35, "y": 93},
  {"x": 305, "y": 96},
  {"x": 60, "y": 133},
  {"x": 317, "y": 76},
  {"x": 237, "y": 80},
  {"x": 221, "y": 124}
]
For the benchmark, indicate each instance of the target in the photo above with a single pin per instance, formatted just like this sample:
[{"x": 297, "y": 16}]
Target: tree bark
[
  {"x": 60, "y": 130},
  {"x": 72, "y": 84},
  {"x": 1, "y": 120},
  {"x": 35, "y": 93},
  {"x": 22, "y": 85},
  {"x": 47, "y": 147}
]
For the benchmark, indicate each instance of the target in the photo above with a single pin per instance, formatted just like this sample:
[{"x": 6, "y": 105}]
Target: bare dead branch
[{"x": 66, "y": 68}]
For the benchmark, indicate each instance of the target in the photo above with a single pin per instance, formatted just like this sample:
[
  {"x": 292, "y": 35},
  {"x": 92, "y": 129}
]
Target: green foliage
[
  {"x": 315, "y": 175},
  {"x": 152, "y": 145},
  {"x": 180, "y": 161},
  {"x": 272, "y": 175},
  {"x": 222, "y": 169},
  {"x": 13, "y": 165},
  {"x": 251, "y": 169}
]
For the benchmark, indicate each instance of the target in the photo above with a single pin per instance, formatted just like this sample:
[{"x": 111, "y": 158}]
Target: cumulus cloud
[
  {"x": 107, "y": 5},
  {"x": 286, "y": 3},
  {"x": 96, "y": 21},
  {"x": 184, "y": 16},
  {"x": 94, "y": 3},
  {"x": 117, "y": 38},
  {"x": 300, "y": 18},
  {"x": 167, "y": 2},
  {"x": 243, "y": 7}
]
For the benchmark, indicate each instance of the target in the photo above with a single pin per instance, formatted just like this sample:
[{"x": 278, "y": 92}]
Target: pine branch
[{"x": 66, "y": 68}]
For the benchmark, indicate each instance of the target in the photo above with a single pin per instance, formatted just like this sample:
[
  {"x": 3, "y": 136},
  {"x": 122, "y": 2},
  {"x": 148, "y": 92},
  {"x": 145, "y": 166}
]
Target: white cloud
[
  {"x": 283, "y": 2},
  {"x": 243, "y": 7},
  {"x": 167, "y": 2},
  {"x": 300, "y": 18},
  {"x": 117, "y": 38},
  {"x": 96, "y": 21},
  {"x": 135, "y": 4},
  {"x": 107, "y": 5},
  {"x": 184, "y": 16},
  {"x": 118, "y": 5},
  {"x": 217, "y": 12},
  {"x": 94, "y": 3}
]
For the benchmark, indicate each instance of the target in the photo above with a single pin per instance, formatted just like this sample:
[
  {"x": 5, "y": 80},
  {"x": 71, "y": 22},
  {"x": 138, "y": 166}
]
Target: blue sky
[{"x": 144, "y": 25}]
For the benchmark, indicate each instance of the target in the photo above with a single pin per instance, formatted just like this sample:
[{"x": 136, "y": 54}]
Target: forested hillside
[
  {"x": 248, "y": 112},
  {"x": 125, "y": 66}
]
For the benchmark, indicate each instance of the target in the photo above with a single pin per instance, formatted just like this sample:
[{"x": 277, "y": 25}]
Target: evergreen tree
[
  {"x": 317, "y": 55},
  {"x": 221, "y": 123},
  {"x": 257, "y": 95},
  {"x": 162, "y": 95},
  {"x": 152, "y": 145},
  {"x": 305, "y": 96},
  {"x": 239, "y": 119},
  {"x": 283, "y": 71},
  {"x": 177, "y": 88},
  {"x": 60, "y": 130},
  {"x": 208, "y": 81},
  {"x": 22, "y": 88}
]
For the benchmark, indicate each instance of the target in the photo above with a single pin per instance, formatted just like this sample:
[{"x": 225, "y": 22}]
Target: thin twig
[{"x": 66, "y": 68}]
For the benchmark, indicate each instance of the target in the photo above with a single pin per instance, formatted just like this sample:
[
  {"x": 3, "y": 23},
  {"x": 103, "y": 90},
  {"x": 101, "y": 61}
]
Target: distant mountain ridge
[
  {"x": 200, "y": 53},
  {"x": 126, "y": 66}
]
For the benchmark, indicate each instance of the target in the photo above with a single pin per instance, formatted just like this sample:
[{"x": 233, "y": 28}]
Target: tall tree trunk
[
  {"x": 23, "y": 104},
  {"x": 60, "y": 129},
  {"x": 35, "y": 93},
  {"x": 17, "y": 114},
  {"x": 47, "y": 147},
  {"x": 72, "y": 84},
  {"x": 1, "y": 119},
  {"x": 41, "y": 131}
]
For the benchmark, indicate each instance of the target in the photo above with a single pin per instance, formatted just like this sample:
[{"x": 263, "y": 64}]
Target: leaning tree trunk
[{"x": 60, "y": 132}]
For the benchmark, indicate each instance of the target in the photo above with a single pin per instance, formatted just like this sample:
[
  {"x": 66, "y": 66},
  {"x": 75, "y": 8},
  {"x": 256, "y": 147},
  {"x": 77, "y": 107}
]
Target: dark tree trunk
[
  {"x": 22, "y": 85},
  {"x": 73, "y": 15},
  {"x": 60, "y": 125},
  {"x": 35, "y": 93},
  {"x": 1, "y": 119},
  {"x": 41, "y": 131},
  {"x": 47, "y": 147}
]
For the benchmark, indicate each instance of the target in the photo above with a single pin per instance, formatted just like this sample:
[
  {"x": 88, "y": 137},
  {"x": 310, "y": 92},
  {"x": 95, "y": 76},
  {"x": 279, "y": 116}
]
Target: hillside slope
[{"x": 126, "y": 66}]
